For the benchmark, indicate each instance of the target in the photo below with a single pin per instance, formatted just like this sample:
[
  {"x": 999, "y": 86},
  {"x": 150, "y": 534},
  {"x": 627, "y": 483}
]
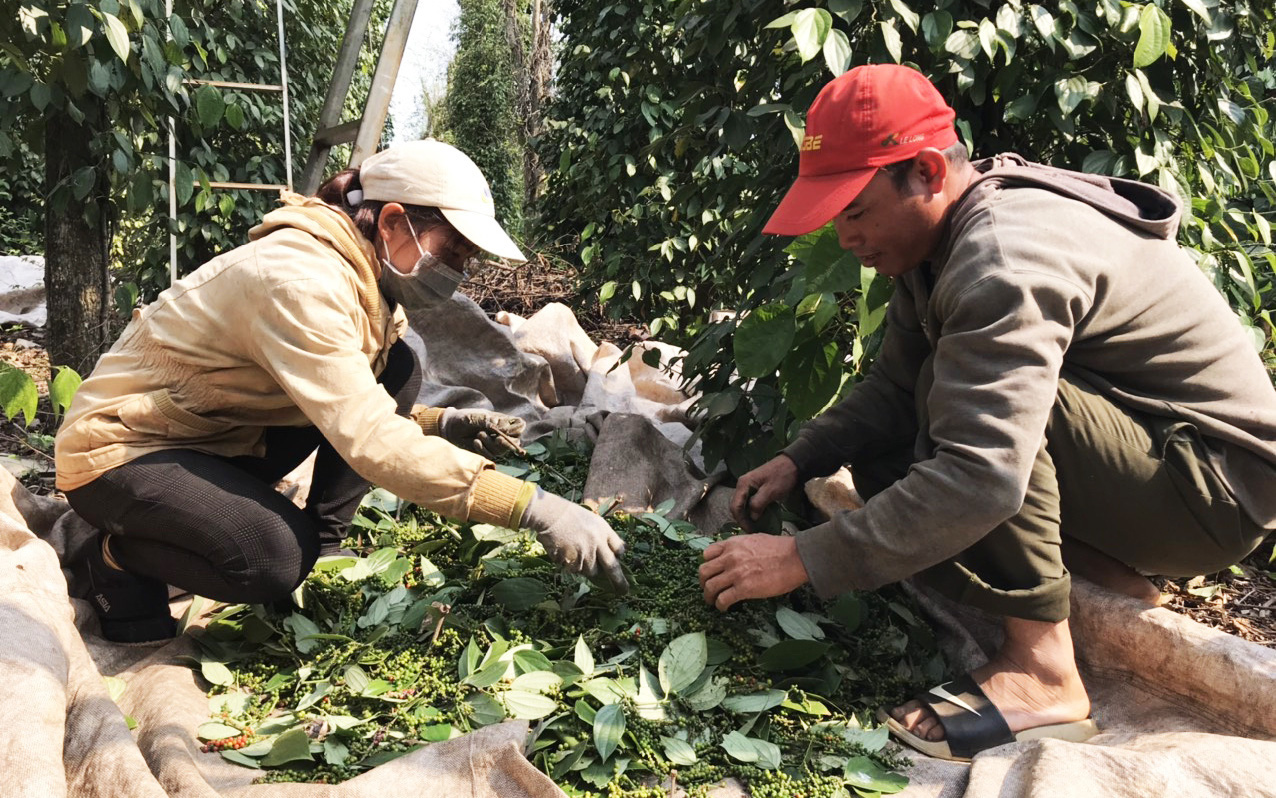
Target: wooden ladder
[{"x": 365, "y": 132}]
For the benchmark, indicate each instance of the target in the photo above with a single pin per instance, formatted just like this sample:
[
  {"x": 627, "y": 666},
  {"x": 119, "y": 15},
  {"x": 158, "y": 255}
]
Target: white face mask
[{"x": 430, "y": 282}]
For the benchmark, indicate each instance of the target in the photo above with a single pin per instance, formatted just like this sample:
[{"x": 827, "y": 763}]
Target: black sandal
[{"x": 972, "y": 724}]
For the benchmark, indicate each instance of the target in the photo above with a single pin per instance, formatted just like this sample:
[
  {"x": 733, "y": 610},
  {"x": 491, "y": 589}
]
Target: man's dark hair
[{"x": 956, "y": 155}]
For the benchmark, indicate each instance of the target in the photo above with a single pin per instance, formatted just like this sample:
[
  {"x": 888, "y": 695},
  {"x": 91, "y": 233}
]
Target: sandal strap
[{"x": 971, "y": 722}]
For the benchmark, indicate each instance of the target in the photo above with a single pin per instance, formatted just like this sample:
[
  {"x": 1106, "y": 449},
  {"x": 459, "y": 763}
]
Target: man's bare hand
[
  {"x": 760, "y": 487},
  {"x": 750, "y": 566}
]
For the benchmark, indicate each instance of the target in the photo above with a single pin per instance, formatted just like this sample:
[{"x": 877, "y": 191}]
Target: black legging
[{"x": 215, "y": 526}]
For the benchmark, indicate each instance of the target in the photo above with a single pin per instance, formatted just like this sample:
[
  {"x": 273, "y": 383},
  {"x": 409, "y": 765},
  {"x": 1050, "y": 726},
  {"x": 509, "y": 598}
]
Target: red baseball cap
[{"x": 868, "y": 117}]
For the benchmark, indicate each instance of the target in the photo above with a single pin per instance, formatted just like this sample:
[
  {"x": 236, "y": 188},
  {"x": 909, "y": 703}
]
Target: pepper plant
[
  {"x": 443, "y": 628},
  {"x": 691, "y": 111}
]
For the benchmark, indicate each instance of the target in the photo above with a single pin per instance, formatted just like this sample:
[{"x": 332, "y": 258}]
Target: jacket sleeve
[
  {"x": 879, "y": 413},
  {"x": 996, "y": 376},
  {"x": 310, "y": 343}
]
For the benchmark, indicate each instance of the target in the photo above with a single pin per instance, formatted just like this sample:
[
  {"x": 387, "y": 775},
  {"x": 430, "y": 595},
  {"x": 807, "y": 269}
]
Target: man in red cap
[{"x": 1057, "y": 379}]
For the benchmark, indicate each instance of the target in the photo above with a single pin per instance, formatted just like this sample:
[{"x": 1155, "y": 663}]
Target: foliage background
[
  {"x": 222, "y": 134},
  {"x": 480, "y": 105},
  {"x": 672, "y": 135}
]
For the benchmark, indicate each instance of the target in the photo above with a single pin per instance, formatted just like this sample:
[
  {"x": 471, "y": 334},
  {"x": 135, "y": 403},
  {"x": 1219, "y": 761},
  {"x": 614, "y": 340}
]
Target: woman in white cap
[{"x": 287, "y": 345}]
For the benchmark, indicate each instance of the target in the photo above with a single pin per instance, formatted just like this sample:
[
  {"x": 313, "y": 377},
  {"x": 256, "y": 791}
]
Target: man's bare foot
[
  {"x": 1087, "y": 561},
  {"x": 1032, "y": 680}
]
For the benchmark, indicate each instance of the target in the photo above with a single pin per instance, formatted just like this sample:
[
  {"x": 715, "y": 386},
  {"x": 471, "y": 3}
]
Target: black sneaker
[{"x": 132, "y": 609}]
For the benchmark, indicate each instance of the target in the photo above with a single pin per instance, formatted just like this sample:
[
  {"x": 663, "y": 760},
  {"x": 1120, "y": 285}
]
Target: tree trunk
[
  {"x": 532, "y": 64},
  {"x": 76, "y": 279}
]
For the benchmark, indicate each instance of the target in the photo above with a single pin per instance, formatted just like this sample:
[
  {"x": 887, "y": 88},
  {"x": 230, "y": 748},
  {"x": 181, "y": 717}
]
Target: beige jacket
[{"x": 287, "y": 330}]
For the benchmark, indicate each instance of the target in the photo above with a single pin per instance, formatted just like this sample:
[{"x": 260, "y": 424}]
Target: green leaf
[
  {"x": 582, "y": 657},
  {"x": 1154, "y": 36},
  {"x": 785, "y": 21},
  {"x": 678, "y": 751},
  {"x": 791, "y": 655},
  {"x": 523, "y": 705},
  {"x": 871, "y": 740},
  {"x": 239, "y": 758},
  {"x": 847, "y": 10},
  {"x": 116, "y": 35},
  {"x": 585, "y": 712},
  {"x": 485, "y": 710},
  {"x": 988, "y": 37},
  {"x": 357, "y": 679},
  {"x": 604, "y": 690},
  {"x": 83, "y": 181},
  {"x": 1070, "y": 92},
  {"x": 682, "y": 662},
  {"x": 519, "y": 593},
  {"x": 62, "y": 389},
  {"x": 810, "y": 377},
  {"x": 837, "y": 52},
  {"x": 303, "y": 630},
  {"x": 810, "y": 28},
  {"x": 213, "y": 730},
  {"x": 609, "y": 725},
  {"x": 937, "y": 26},
  {"x": 537, "y": 682},
  {"x": 848, "y": 610},
  {"x": 79, "y": 25},
  {"x": 291, "y": 746},
  {"x": 177, "y": 27},
  {"x": 530, "y": 661},
  {"x": 910, "y": 17},
  {"x": 335, "y": 752},
  {"x": 750, "y": 749},
  {"x": 763, "y": 339},
  {"x": 235, "y": 116},
  {"x": 488, "y": 675},
  {"x": 1021, "y": 109},
  {"x": 836, "y": 276},
  {"x": 797, "y": 625},
  {"x": 891, "y": 39},
  {"x": 1134, "y": 91},
  {"x": 209, "y": 105},
  {"x": 706, "y": 698},
  {"x": 216, "y": 672},
  {"x": 754, "y": 702},
  {"x": 115, "y": 686},
  {"x": 862, "y": 772},
  {"x": 18, "y": 393},
  {"x": 184, "y": 182},
  {"x": 607, "y": 292}
]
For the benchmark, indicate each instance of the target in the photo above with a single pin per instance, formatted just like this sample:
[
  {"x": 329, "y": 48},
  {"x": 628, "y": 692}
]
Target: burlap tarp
[{"x": 1185, "y": 710}]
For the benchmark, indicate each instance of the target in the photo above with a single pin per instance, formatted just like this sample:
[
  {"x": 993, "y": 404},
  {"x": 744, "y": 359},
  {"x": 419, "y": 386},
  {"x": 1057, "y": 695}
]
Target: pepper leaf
[
  {"x": 609, "y": 725},
  {"x": 682, "y": 661}
]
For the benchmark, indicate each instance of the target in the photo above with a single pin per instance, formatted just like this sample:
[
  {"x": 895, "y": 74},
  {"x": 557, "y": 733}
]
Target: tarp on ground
[{"x": 1185, "y": 710}]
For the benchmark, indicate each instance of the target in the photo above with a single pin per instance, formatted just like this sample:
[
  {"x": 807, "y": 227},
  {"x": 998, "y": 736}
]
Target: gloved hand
[
  {"x": 579, "y": 540},
  {"x": 483, "y": 431}
]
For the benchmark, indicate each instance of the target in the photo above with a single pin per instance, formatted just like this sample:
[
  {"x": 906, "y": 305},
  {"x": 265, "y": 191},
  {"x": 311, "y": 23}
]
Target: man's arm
[{"x": 996, "y": 376}]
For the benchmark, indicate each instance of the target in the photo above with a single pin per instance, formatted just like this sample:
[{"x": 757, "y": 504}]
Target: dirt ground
[{"x": 1241, "y": 601}]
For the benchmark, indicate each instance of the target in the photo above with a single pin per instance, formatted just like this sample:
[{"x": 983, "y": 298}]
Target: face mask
[{"x": 431, "y": 281}]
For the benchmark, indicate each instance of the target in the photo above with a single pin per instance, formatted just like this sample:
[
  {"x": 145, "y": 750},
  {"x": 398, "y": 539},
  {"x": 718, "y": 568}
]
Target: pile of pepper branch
[{"x": 437, "y": 628}]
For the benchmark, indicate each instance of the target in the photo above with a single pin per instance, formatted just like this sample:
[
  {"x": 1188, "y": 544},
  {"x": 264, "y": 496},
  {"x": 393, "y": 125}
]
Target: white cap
[{"x": 437, "y": 175}]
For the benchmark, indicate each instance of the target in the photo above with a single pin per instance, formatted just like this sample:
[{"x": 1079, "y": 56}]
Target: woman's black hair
[{"x": 336, "y": 192}]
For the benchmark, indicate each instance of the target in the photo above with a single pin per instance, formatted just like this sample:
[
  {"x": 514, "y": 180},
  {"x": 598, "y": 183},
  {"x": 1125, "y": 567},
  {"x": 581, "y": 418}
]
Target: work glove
[
  {"x": 483, "y": 431},
  {"x": 576, "y": 538}
]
